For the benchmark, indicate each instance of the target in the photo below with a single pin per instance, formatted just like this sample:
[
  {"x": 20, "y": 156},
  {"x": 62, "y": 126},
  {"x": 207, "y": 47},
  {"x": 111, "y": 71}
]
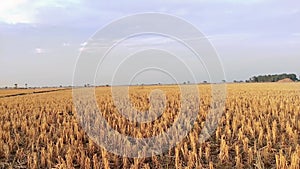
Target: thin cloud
[
  {"x": 152, "y": 41},
  {"x": 296, "y": 34},
  {"x": 66, "y": 44},
  {"x": 157, "y": 41},
  {"x": 82, "y": 46}
]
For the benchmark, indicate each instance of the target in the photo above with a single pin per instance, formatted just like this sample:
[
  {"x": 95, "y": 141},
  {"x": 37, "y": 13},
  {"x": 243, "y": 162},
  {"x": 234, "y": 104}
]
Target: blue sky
[{"x": 41, "y": 40}]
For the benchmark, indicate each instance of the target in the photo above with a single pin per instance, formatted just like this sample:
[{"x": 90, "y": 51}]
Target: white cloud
[
  {"x": 83, "y": 44},
  {"x": 39, "y": 50},
  {"x": 25, "y": 11},
  {"x": 12, "y": 12}
]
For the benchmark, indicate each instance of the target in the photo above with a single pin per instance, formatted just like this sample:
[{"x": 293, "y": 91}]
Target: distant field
[
  {"x": 260, "y": 128},
  {"x": 10, "y": 92}
]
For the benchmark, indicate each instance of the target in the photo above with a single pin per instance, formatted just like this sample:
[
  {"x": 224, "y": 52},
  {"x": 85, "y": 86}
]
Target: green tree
[{"x": 273, "y": 78}]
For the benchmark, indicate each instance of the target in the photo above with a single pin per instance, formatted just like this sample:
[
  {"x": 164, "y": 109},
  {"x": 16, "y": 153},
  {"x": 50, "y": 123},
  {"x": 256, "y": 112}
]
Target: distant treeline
[{"x": 273, "y": 78}]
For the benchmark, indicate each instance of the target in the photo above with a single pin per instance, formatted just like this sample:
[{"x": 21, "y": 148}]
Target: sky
[{"x": 40, "y": 41}]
